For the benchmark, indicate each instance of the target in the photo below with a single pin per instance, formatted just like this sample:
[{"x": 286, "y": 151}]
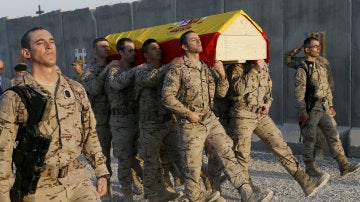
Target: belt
[
  {"x": 253, "y": 108},
  {"x": 55, "y": 172}
]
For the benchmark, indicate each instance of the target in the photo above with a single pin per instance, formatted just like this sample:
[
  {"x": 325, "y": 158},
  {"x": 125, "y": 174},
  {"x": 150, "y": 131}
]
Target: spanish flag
[{"x": 230, "y": 37}]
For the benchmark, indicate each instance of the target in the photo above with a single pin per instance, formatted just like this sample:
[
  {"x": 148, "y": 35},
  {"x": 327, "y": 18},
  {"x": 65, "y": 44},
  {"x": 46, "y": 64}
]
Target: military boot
[
  {"x": 166, "y": 195},
  {"x": 247, "y": 195},
  {"x": 168, "y": 184},
  {"x": 267, "y": 193},
  {"x": 311, "y": 169},
  {"x": 345, "y": 166},
  {"x": 127, "y": 192},
  {"x": 137, "y": 186},
  {"x": 310, "y": 185}
]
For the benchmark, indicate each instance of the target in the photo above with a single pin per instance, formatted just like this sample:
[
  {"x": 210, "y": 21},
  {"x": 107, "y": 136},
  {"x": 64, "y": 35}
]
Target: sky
[{"x": 21, "y": 8}]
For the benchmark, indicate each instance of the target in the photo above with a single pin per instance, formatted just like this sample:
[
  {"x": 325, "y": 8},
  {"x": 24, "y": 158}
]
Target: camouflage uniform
[
  {"x": 187, "y": 87},
  {"x": 93, "y": 83},
  {"x": 71, "y": 124},
  {"x": 250, "y": 89},
  {"x": 157, "y": 127},
  {"x": 320, "y": 114},
  {"x": 294, "y": 62},
  {"x": 119, "y": 88}
]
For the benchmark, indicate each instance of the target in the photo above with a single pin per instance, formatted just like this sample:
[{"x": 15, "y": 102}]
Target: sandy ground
[{"x": 267, "y": 172}]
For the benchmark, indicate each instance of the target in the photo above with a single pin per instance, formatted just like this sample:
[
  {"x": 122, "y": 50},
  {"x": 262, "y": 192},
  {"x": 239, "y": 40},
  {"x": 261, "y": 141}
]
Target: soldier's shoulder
[{"x": 323, "y": 60}]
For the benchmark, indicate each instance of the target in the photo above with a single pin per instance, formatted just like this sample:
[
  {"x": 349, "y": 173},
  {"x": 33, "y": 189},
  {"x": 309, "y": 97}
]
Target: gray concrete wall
[{"x": 284, "y": 21}]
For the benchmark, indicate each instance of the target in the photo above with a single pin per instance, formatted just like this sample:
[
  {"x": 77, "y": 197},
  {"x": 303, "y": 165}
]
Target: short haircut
[
  {"x": 120, "y": 45},
  {"x": 98, "y": 40},
  {"x": 145, "y": 47},
  {"x": 25, "y": 40},
  {"x": 308, "y": 40},
  {"x": 183, "y": 37}
]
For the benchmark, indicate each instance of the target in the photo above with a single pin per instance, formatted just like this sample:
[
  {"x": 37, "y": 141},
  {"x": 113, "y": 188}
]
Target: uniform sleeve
[
  {"x": 8, "y": 131},
  {"x": 170, "y": 90},
  {"x": 149, "y": 77},
  {"x": 93, "y": 84},
  {"x": 222, "y": 87},
  {"x": 300, "y": 89},
  {"x": 120, "y": 80},
  {"x": 236, "y": 82},
  {"x": 91, "y": 147},
  {"x": 268, "y": 95},
  {"x": 291, "y": 61}
]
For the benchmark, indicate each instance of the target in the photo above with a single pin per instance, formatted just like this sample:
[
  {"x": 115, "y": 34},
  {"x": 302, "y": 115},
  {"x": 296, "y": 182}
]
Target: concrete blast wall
[{"x": 285, "y": 22}]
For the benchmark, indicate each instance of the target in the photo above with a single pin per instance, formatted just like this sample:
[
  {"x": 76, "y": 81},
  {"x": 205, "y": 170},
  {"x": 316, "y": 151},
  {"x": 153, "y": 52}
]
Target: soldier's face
[
  {"x": 42, "y": 48},
  {"x": 314, "y": 49},
  {"x": 128, "y": 54},
  {"x": 102, "y": 49},
  {"x": 193, "y": 43},
  {"x": 154, "y": 52}
]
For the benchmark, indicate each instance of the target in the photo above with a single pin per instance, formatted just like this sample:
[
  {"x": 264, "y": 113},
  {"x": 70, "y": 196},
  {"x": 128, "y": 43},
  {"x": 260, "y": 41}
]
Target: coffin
[{"x": 232, "y": 37}]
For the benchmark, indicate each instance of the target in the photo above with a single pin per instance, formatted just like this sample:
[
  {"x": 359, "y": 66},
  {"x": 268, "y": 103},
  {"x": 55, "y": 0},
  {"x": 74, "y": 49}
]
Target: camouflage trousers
[
  {"x": 104, "y": 134},
  {"x": 318, "y": 117},
  {"x": 125, "y": 135},
  {"x": 266, "y": 130},
  {"x": 78, "y": 187},
  {"x": 192, "y": 141},
  {"x": 152, "y": 137}
]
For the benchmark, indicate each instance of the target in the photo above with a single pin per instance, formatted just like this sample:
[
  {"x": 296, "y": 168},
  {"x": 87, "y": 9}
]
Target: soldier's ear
[
  {"x": 26, "y": 53},
  {"x": 184, "y": 47}
]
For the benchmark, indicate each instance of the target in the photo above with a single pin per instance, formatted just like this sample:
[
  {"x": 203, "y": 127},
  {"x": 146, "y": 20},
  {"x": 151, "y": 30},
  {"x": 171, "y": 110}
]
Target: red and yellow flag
[{"x": 208, "y": 28}]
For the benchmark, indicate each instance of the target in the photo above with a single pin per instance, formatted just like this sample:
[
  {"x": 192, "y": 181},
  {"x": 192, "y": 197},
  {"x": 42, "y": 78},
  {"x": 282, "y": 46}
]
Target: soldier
[
  {"x": 70, "y": 123},
  {"x": 251, "y": 94},
  {"x": 188, "y": 91},
  {"x": 93, "y": 79},
  {"x": 156, "y": 123},
  {"x": 314, "y": 102},
  {"x": 79, "y": 70},
  {"x": 124, "y": 119},
  {"x": 4, "y": 81},
  {"x": 292, "y": 61},
  {"x": 20, "y": 71}
]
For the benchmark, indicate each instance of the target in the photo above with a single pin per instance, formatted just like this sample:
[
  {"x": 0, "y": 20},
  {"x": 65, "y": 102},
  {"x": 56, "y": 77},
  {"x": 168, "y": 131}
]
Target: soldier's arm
[
  {"x": 93, "y": 84},
  {"x": 91, "y": 145},
  {"x": 300, "y": 89},
  {"x": 120, "y": 80},
  {"x": 8, "y": 131},
  {"x": 222, "y": 83},
  {"x": 149, "y": 78},
  {"x": 268, "y": 95},
  {"x": 236, "y": 84},
  {"x": 290, "y": 58},
  {"x": 170, "y": 89}
]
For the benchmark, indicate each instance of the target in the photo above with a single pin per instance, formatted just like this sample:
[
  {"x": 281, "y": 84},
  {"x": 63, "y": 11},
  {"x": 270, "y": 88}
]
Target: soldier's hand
[
  {"x": 101, "y": 185},
  {"x": 296, "y": 50},
  {"x": 333, "y": 112},
  {"x": 303, "y": 119},
  {"x": 104, "y": 72},
  {"x": 194, "y": 117},
  {"x": 219, "y": 67},
  {"x": 178, "y": 60},
  {"x": 266, "y": 109}
]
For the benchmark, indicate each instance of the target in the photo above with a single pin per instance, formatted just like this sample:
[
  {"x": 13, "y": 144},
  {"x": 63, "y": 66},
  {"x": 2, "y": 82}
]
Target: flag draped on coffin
[{"x": 230, "y": 37}]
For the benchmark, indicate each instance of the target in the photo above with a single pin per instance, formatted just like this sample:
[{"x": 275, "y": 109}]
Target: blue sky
[{"x": 21, "y": 8}]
